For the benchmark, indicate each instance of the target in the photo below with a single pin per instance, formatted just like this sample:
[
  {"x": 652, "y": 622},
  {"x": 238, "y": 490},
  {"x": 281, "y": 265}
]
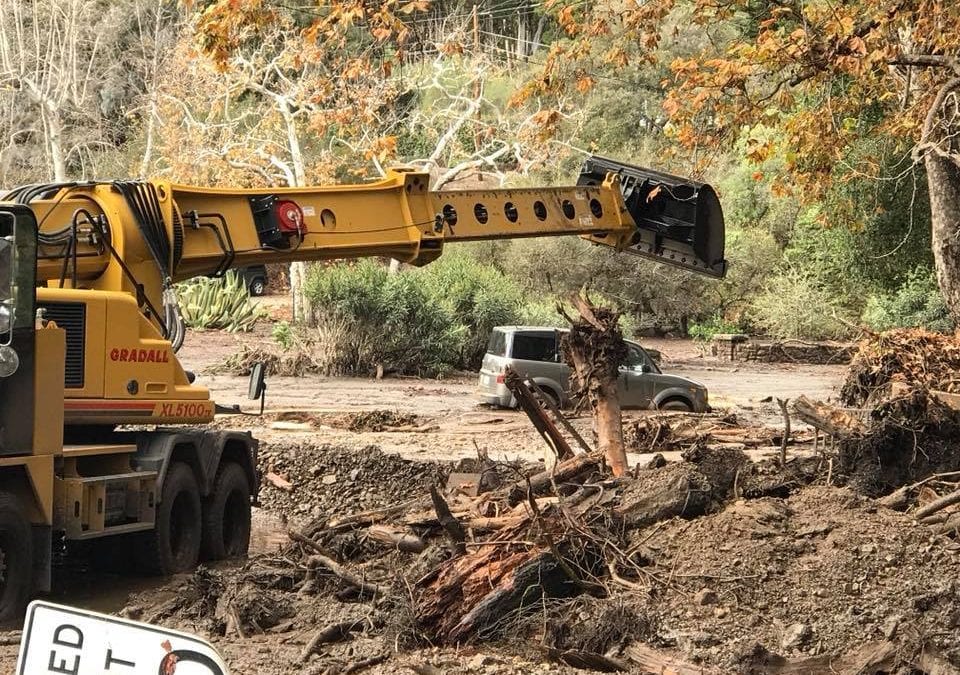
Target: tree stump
[{"x": 595, "y": 349}]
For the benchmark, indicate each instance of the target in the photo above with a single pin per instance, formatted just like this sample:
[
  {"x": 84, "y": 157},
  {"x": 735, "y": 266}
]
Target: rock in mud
[{"x": 796, "y": 635}]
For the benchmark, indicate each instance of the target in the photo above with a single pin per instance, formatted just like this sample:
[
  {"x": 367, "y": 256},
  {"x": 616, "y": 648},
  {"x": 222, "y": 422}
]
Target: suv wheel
[
  {"x": 677, "y": 404},
  {"x": 257, "y": 286},
  {"x": 550, "y": 394}
]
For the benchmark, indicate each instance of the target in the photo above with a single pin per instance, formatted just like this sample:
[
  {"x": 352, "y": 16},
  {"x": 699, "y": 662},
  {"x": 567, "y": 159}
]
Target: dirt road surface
[{"x": 452, "y": 425}]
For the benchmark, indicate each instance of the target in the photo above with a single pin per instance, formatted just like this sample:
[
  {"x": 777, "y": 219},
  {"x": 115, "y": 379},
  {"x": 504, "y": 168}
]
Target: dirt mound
[
  {"x": 911, "y": 436},
  {"x": 327, "y": 480},
  {"x": 358, "y": 422},
  {"x": 755, "y": 583},
  {"x": 817, "y": 573},
  {"x": 913, "y": 356},
  {"x": 379, "y": 420},
  {"x": 905, "y": 422}
]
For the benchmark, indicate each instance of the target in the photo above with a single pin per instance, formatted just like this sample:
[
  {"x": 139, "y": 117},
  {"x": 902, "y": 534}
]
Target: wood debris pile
[
  {"x": 915, "y": 357},
  {"x": 665, "y": 431},
  {"x": 449, "y": 568},
  {"x": 550, "y": 535},
  {"x": 902, "y": 420}
]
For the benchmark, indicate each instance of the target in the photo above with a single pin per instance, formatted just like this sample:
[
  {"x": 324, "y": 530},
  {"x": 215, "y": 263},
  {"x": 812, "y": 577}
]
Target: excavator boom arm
[
  {"x": 107, "y": 254},
  {"x": 139, "y": 237}
]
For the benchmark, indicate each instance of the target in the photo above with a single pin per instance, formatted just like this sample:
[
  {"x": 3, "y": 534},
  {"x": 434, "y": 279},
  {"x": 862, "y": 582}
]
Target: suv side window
[{"x": 534, "y": 347}]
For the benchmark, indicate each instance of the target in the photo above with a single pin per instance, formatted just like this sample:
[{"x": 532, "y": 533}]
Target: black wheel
[
  {"x": 552, "y": 395},
  {"x": 226, "y": 515},
  {"x": 16, "y": 559},
  {"x": 677, "y": 404},
  {"x": 257, "y": 287},
  {"x": 174, "y": 544}
]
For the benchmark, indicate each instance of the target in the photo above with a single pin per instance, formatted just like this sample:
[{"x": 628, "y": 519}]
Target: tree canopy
[{"x": 828, "y": 127}]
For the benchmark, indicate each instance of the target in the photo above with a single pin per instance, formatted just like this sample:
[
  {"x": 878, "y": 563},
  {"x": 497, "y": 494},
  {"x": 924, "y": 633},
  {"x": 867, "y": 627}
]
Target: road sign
[{"x": 59, "y": 640}]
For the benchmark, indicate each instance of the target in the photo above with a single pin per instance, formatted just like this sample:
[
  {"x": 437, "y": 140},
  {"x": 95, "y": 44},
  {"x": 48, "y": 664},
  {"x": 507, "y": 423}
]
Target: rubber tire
[
  {"x": 174, "y": 544},
  {"x": 547, "y": 391},
  {"x": 226, "y": 515},
  {"x": 257, "y": 287},
  {"x": 676, "y": 404},
  {"x": 16, "y": 540}
]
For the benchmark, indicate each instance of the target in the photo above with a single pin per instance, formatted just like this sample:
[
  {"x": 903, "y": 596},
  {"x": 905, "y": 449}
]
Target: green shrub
[
  {"x": 716, "y": 324},
  {"x": 916, "y": 303},
  {"x": 282, "y": 335},
  {"x": 368, "y": 317},
  {"x": 475, "y": 295},
  {"x": 795, "y": 305},
  {"x": 542, "y": 313}
]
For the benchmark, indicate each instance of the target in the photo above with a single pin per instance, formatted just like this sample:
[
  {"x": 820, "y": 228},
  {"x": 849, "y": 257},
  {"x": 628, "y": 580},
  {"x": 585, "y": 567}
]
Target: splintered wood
[{"x": 833, "y": 421}]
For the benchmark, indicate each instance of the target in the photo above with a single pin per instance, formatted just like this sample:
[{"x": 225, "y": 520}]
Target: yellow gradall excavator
[{"x": 90, "y": 327}]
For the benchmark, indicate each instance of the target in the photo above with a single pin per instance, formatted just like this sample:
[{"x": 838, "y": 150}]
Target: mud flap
[{"x": 679, "y": 221}]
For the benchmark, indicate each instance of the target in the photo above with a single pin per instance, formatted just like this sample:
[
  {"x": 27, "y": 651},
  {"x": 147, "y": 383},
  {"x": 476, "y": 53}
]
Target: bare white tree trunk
[
  {"x": 302, "y": 311},
  {"x": 152, "y": 112},
  {"x": 49, "y": 56},
  {"x": 58, "y": 163}
]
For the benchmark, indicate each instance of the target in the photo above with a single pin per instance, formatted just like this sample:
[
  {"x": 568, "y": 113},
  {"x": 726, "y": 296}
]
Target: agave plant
[{"x": 218, "y": 303}]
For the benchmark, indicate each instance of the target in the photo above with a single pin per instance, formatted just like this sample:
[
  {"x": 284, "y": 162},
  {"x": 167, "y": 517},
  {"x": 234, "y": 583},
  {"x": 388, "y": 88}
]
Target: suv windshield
[{"x": 497, "y": 346}]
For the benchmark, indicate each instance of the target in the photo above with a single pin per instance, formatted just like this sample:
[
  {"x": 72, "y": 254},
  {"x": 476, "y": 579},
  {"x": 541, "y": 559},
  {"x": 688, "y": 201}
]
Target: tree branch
[{"x": 928, "y": 61}]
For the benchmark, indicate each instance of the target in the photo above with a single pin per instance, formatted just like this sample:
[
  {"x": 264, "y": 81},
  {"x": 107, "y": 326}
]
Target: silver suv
[{"x": 534, "y": 352}]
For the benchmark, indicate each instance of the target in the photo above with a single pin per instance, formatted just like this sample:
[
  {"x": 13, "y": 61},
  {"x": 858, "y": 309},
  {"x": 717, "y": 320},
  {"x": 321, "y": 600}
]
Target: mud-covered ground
[
  {"x": 822, "y": 559},
  {"x": 449, "y": 423},
  {"x": 818, "y": 572}
]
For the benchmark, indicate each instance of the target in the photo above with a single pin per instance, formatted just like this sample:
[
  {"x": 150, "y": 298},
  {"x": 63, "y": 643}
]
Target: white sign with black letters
[{"x": 60, "y": 640}]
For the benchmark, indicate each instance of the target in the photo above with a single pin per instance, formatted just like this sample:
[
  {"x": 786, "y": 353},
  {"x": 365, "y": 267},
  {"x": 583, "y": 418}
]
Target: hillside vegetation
[{"x": 811, "y": 125}]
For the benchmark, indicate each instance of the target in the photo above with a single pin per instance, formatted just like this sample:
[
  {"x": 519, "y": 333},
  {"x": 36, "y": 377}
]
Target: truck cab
[{"x": 172, "y": 496}]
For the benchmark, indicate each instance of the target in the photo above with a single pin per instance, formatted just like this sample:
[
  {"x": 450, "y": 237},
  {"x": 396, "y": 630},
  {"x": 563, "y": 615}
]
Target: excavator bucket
[{"x": 679, "y": 221}]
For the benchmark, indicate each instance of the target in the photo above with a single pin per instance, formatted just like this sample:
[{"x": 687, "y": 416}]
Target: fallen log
[
  {"x": 561, "y": 473},
  {"x": 359, "y": 666},
  {"x": 397, "y": 538},
  {"x": 870, "y": 657},
  {"x": 831, "y": 420},
  {"x": 650, "y": 660},
  {"x": 587, "y": 660},
  {"x": 366, "y": 518},
  {"x": 537, "y": 415},
  {"x": 493, "y": 523},
  {"x": 938, "y": 504},
  {"x": 336, "y": 632}
]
